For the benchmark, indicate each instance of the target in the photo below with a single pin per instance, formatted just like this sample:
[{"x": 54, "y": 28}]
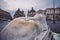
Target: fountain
[{"x": 26, "y": 28}]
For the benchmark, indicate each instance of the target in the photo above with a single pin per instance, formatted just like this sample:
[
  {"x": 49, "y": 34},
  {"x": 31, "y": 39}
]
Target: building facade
[
  {"x": 52, "y": 11},
  {"x": 41, "y": 11},
  {"x": 5, "y": 15},
  {"x": 31, "y": 13},
  {"x": 19, "y": 13}
]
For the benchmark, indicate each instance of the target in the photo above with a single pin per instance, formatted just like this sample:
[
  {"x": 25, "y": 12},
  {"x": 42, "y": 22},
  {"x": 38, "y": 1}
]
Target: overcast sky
[{"x": 10, "y": 5}]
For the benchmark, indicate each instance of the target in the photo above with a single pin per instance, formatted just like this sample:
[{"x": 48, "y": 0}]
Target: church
[
  {"x": 31, "y": 12},
  {"x": 19, "y": 13},
  {"x": 4, "y": 15}
]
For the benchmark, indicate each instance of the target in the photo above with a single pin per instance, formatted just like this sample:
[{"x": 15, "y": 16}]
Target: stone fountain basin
[{"x": 22, "y": 28}]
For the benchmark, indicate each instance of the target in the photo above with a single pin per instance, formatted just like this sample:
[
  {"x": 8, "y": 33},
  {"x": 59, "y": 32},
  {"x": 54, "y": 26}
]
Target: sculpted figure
[{"x": 24, "y": 28}]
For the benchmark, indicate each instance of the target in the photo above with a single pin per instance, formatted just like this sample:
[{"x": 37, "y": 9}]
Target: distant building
[
  {"x": 50, "y": 12},
  {"x": 5, "y": 15},
  {"x": 40, "y": 11},
  {"x": 19, "y": 13},
  {"x": 31, "y": 13}
]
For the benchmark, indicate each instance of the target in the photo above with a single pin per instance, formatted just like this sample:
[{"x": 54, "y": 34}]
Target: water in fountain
[{"x": 26, "y": 14}]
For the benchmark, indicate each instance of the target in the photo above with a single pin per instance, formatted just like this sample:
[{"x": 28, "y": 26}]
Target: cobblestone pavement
[
  {"x": 3, "y": 24},
  {"x": 54, "y": 27}
]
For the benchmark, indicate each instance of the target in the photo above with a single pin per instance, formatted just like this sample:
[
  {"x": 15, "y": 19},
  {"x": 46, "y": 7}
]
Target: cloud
[
  {"x": 57, "y": 3},
  {"x": 3, "y": 4},
  {"x": 12, "y": 5},
  {"x": 26, "y": 4}
]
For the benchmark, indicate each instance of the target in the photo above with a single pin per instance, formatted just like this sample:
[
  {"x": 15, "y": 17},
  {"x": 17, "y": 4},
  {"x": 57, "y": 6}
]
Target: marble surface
[{"x": 22, "y": 28}]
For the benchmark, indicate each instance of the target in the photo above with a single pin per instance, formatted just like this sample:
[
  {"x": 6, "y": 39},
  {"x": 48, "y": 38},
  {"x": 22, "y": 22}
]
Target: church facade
[
  {"x": 19, "y": 13},
  {"x": 5, "y": 15},
  {"x": 31, "y": 12}
]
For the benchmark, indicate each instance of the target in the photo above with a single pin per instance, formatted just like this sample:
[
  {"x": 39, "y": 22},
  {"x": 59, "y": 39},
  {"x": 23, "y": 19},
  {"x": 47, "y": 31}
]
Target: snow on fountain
[{"x": 23, "y": 28}]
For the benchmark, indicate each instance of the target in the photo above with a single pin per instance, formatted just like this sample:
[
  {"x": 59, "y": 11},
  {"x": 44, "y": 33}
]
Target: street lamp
[{"x": 53, "y": 11}]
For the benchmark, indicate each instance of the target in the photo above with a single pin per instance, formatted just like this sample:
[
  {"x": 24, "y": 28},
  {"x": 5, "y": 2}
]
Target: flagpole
[{"x": 54, "y": 12}]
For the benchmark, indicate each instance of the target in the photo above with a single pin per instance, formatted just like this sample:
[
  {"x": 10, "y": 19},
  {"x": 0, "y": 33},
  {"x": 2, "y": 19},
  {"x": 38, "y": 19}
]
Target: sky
[{"x": 13, "y": 5}]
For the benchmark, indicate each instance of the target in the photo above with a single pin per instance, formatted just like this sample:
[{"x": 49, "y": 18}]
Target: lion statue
[{"x": 23, "y": 28}]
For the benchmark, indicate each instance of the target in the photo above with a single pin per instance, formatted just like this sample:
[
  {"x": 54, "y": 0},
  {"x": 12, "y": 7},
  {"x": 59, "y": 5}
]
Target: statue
[{"x": 23, "y": 28}]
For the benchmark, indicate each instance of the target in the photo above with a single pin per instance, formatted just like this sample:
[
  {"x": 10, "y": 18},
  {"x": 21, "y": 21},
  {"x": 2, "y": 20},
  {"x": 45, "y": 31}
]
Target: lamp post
[{"x": 53, "y": 11}]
